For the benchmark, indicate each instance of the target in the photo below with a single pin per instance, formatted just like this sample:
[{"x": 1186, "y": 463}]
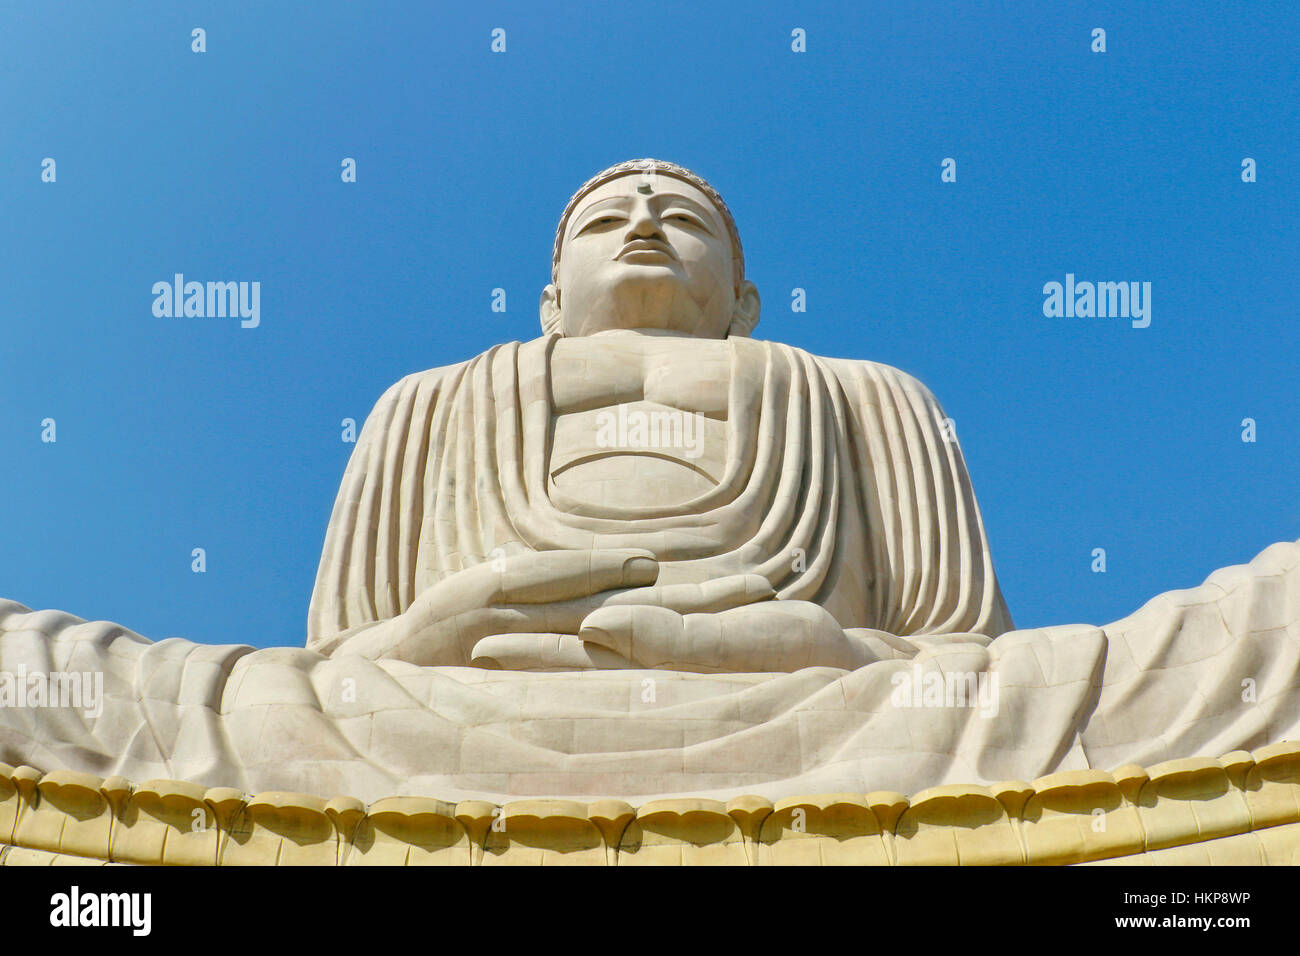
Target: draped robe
[
  {"x": 841, "y": 487},
  {"x": 845, "y": 462}
]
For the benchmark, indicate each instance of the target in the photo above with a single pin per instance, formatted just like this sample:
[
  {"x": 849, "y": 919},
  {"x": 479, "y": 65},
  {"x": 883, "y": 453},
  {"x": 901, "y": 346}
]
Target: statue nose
[{"x": 645, "y": 226}]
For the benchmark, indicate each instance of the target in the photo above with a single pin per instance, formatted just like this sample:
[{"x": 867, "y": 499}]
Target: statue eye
[
  {"x": 600, "y": 221},
  {"x": 685, "y": 219}
]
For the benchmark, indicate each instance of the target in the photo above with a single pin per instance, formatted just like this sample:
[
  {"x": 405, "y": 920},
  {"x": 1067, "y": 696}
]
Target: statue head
[{"x": 648, "y": 246}]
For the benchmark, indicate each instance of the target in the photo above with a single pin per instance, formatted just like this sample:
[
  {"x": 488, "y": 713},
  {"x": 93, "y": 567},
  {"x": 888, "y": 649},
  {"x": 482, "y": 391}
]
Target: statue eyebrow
[
  {"x": 621, "y": 202},
  {"x": 608, "y": 201},
  {"x": 709, "y": 217}
]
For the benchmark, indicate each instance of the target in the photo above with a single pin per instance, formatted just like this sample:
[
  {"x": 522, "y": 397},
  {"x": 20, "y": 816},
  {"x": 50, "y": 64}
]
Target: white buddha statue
[
  {"x": 647, "y": 555},
  {"x": 787, "y": 511}
]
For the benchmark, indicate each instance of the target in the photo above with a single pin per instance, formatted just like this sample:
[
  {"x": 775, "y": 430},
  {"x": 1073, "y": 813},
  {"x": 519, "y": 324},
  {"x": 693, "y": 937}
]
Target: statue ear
[
  {"x": 745, "y": 315},
  {"x": 549, "y": 308}
]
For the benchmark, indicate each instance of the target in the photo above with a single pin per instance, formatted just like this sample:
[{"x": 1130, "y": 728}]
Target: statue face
[{"x": 649, "y": 254}]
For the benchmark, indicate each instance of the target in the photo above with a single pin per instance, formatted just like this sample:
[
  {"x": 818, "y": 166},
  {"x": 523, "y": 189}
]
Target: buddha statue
[
  {"x": 819, "y": 510},
  {"x": 646, "y": 554}
]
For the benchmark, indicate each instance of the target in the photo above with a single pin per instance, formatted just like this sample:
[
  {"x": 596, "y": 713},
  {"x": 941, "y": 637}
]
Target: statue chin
[{"x": 649, "y": 305}]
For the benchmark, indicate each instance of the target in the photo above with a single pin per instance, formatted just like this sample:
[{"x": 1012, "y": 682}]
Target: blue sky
[{"x": 1080, "y": 433}]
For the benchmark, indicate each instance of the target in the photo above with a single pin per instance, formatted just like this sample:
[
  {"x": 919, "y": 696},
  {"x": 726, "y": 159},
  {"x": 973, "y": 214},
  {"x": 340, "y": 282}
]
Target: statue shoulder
[
  {"x": 429, "y": 378},
  {"x": 432, "y": 382},
  {"x": 862, "y": 373},
  {"x": 408, "y": 386}
]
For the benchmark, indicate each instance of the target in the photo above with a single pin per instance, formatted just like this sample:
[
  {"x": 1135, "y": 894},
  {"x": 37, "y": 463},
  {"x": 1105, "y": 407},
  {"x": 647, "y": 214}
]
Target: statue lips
[{"x": 646, "y": 251}]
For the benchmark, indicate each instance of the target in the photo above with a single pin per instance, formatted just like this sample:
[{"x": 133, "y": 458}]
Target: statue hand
[
  {"x": 551, "y": 642},
  {"x": 531, "y": 592},
  {"x": 770, "y": 636}
]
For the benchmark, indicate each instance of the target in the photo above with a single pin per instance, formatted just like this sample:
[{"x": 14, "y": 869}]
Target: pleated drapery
[{"x": 841, "y": 487}]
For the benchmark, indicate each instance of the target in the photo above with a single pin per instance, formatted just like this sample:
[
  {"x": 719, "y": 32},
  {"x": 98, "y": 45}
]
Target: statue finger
[
  {"x": 721, "y": 594},
  {"x": 771, "y": 636},
  {"x": 530, "y": 620},
  {"x": 644, "y": 634},
  {"x": 550, "y": 576},
  {"x": 558, "y": 617},
  {"x": 427, "y": 644},
  {"x": 533, "y": 652},
  {"x": 450, "y": 640},
  {"x": 783, "y": 636},
  {"x": 767, "y": 639}
]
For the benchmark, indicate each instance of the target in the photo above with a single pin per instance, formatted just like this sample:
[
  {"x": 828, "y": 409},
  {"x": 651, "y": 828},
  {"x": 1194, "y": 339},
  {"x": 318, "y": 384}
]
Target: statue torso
[{"x": 638, "y": 421}]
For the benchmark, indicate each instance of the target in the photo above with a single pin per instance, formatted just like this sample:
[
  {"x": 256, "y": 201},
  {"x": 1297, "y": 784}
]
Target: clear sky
[{"x": 1080, "y": 433}]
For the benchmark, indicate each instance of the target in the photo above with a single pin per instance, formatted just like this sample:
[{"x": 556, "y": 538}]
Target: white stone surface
[
  {"x": 645, "y": 555},
  {"x": 1163, "y": 683}
]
